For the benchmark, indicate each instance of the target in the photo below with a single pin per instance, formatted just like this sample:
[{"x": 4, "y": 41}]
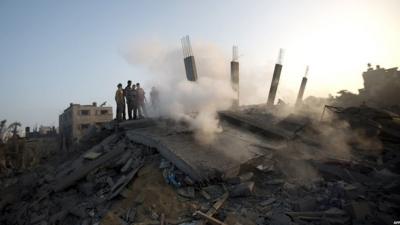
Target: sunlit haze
[{"x": 53, "y": 53}]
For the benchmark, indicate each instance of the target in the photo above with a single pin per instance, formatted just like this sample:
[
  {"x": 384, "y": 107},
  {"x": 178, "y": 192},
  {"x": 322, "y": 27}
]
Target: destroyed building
[
  {"x": 381, "y": 86},
  {"x": 260, "y": 170},
  {"x": 76, "y": 119},
  {"x": 380, "y": 90},
  {"x": 43, "y": 131}
]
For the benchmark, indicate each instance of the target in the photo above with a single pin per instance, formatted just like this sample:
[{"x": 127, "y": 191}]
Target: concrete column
[
  {"x": 235, "y": 81},
  {"x": 274, "y": 84},
  {"x": 301, "y": 91},
  {"x": 190, "y": 68}
]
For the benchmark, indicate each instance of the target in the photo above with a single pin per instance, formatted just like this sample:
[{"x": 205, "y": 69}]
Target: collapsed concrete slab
[
  {"x": 270, "y": 126},
  {"x": 81, "y": 167},
  {"x": 134, "y": 124},
  {"x": 220, "y": 159},
  {"x": 261, "y": 123}
]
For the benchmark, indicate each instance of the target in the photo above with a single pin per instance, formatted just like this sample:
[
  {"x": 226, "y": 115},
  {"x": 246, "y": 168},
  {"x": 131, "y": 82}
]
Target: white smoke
[{"x": 194, "y": 102}]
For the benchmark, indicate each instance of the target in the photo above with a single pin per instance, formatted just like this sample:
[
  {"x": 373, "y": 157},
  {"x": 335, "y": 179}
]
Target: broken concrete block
[
  {"x": 110, "y": 181},
  {"x": 86, "y": 188},
  {"x": 275, "y": 181},
  {"x": 86, "y": 222},
  {"x": 205, "y": 194},
  {"x": 187, "y": 192},
  {"x": 235, "y": 219},
  {"x": 49, "y": 178},
  {"x": 92, "y": 155},
  {"x": 126, "y": 193},
  {"x": 266, "y": 168},
  {"x": 267, "y": 202},
  {"x": 135, "y": 124},
  {"x": 58, "y": 217},
  {"x": 280, "y": 219},
  {"x": 188, "y": 181},
  {"x": 43, "y": 222},
  {"x": 307, "y": 203},
  {"x": 193, "y": 222},
  {"x": 291, "y": 189},
  {"x": 35, "y": 218},
  {"x": 385, "y": 218},
  {"x": 122, "y": 182},
  {"x": 154, "y": 215},
  {"x": 109, "y": 126},
  {"x": 242, "y": 190},
  {"x": 240, "y": 179},
  {"x": 127, "y": 165},
  {"x": 29, "y": 179},
  {"x": 394, "y": 198},
  {"x": 130, "y": 215},
  {"x": 139, "y": 199},
  {"x": 123, "y": 159},
  {"x": 359, "y": 210},
  {"x": 215, "y": 191},
  {"x": 164, "y": 164}
]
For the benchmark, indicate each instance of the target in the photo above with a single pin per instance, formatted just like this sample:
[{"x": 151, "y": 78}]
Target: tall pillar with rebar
[
  {"x": 235, "y": 75},
  {"x": 275, "y": 80},
  {"x": 299, "y": 99},
  {"x": 188, "y": 59}
]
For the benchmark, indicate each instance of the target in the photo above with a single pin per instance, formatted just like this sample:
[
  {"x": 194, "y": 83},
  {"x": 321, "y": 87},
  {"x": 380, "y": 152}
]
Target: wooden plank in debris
[
  {"x": 205, "y": 194},
  {"x": 210, "y": 219},
  {"x": 217, "y": 205},
  {"x": 118, "y": 187}
]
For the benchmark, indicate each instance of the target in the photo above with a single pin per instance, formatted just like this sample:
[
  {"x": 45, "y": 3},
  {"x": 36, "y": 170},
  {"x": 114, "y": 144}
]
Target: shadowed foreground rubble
[{"x": 288, "y": 171}]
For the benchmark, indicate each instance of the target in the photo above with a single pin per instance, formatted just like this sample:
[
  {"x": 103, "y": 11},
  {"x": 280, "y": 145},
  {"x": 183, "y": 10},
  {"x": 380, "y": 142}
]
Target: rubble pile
[
  {"x": 80, "y": 191},
  {"x": 304, "y": 184},
  {"x": 119, "y": 181}
]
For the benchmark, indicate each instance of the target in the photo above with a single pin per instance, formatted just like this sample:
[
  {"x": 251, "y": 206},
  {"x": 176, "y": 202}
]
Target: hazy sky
[{"x": 56, "y": 52}]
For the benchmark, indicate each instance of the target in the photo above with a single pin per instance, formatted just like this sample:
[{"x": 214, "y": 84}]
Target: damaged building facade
[
  {"x": 76, "y": 119},
  {"x": 380, "y": 90},
  {"x": 380, "y": 86}
]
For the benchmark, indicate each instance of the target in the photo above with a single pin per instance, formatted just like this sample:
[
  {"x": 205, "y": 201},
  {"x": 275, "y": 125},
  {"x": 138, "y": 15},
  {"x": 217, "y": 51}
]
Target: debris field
[{"x": 289, "y": 170}]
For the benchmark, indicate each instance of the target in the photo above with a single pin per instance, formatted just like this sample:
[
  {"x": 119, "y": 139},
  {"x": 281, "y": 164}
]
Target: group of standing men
[{"x": 134, "y": 98}]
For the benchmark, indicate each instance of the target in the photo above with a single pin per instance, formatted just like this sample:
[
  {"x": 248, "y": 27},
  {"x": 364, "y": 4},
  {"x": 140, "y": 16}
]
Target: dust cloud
[
  {"x": 196, "y": 103},
  {"x": 330, "y": 139}
]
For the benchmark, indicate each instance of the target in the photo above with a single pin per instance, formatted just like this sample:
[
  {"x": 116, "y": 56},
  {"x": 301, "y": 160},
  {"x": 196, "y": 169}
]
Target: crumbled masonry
[{"x": 260, "y": 169}]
